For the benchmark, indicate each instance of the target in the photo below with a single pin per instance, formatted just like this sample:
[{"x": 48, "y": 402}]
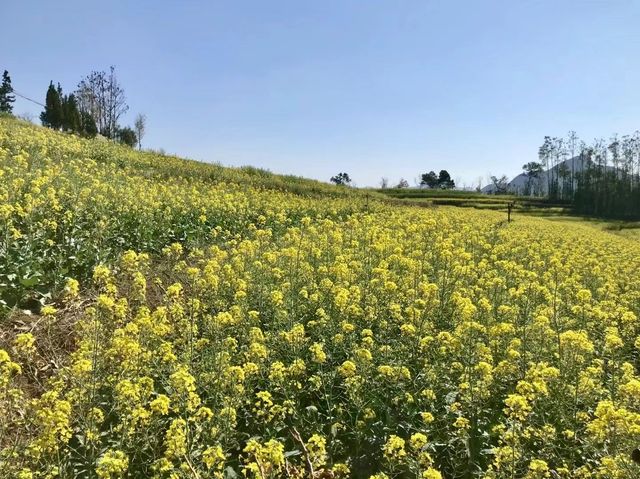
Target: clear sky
[{"x": 374, "y": 88}]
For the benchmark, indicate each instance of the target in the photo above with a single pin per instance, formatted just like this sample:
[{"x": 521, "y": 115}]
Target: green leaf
[
  {"x": 29, "y": 282},
  {"x": 230, "y": 473}
]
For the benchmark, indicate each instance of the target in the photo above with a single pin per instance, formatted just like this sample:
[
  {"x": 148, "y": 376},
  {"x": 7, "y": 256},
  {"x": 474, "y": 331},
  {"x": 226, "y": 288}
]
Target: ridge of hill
[{"x": 161, "y": 165}]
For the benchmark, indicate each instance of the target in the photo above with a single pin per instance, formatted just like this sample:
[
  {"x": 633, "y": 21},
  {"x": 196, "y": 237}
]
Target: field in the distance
[
  {"x": 471, "y": 199},
  {"x": 194, "y": 321}
]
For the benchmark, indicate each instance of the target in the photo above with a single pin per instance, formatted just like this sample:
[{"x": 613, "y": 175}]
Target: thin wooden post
[{"x": 509, "y": 206}]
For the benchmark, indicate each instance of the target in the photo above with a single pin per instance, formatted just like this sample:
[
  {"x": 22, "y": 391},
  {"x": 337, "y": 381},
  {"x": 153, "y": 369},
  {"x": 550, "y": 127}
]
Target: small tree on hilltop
[
  {"x": 402, "y": 183},
  {"x": 88, "y": 126},
  {"x": 429, "y": 180},
  {"x": 342, "y": 179},
  {"x": 127, "y": 136},
  {"x": 140, "y": 126},
  {"x": 6, "y": 97},
  {"x": 444, "y": 180}
]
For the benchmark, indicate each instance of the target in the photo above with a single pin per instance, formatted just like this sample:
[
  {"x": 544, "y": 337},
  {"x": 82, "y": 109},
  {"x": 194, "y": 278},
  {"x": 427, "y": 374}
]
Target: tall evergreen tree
[
  {"x": 62, "y": 100},
  {"x": 52, "y": 114},
  {"x": 6, "y": 97},
  {"x": 70, "y": 114}
]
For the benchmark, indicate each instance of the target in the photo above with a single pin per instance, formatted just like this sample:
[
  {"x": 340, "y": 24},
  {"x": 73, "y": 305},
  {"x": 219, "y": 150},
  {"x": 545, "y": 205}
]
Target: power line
[{"x": 27, "y": 98}]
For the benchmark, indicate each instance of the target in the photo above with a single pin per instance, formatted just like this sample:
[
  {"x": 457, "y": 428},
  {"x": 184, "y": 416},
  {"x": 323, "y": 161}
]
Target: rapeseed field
[{"x": 169, "y": 319}]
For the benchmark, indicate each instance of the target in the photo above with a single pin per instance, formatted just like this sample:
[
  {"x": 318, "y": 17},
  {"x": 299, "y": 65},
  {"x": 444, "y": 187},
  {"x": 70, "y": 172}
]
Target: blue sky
[{"x": 375, "y": 88}]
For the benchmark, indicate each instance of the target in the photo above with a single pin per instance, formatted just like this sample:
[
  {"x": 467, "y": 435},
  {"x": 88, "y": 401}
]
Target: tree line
[
  {"x": 599, "y": 179},
  {"x": 610, "y": 183},
  {"x": 430, "y": 180},
  {"x": 61, "y": 112},
  {"x": 95, "y": 107}
]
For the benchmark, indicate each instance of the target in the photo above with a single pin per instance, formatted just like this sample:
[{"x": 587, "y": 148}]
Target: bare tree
[
  {"x": 402, "y": 183},
  {"x": 140, "y": 125},
  {"x": 384, "y": 183},
  {"x": 544, "y": 155},
  {"x": 532, "y": 170},
  {"x": 572, "y": 144},
  {"x": 500, "y": 185},
  {"x": 101, "y": 96},
  {"x": 559, "y": 154}
]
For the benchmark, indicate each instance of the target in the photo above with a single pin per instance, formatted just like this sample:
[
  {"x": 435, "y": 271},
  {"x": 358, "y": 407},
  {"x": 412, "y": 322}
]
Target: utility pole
[{"x": 509, "y": 207}]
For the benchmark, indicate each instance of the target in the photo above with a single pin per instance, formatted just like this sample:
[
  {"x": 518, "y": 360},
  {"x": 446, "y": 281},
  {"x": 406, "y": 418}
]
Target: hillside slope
[{"x": 69, "y": 204}]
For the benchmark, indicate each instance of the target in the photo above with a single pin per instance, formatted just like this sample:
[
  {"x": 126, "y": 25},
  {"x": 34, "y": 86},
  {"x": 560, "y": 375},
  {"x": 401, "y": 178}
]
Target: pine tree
[
  {"x": 61, "y": 111},
  {"x": 52, "y": 114},
  {"x": 71, "y": 115},
  {"x": 6, "y": 98}
]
